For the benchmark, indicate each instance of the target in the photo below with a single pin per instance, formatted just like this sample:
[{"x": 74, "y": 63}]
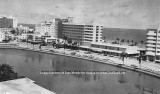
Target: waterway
[{"x": 30, "y": 64}]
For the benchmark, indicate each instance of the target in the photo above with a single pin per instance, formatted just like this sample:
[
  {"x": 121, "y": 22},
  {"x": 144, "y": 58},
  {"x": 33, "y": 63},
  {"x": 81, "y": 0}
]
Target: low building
[
  {"x": 23, "y": 36},
  {"x": 2, "y": 36},
  {"x": 115, "y": 49},
  {"x": 50, "y": 40}
]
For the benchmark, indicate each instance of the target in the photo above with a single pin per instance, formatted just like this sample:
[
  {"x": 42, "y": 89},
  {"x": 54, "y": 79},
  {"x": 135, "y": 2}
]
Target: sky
[{"x": 132, "y": 14}]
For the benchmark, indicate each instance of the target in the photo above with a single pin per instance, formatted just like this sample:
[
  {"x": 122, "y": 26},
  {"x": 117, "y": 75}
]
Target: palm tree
[
  {"x": 12, "y": 31},
  {"x": 142, "y": 42},
  {"x": 65, "y": 38},
  {"x": 117, "y": 40},
  {"x": 122, "y": 41},
  {"x": 128, "y": 42},
  {"x": 104, "y": 38},
  {"x": 136, "y": 43},
  {"x": 29, "y": 37},
  {"x": 132, "y": 42},
  {"x": 123, "y": 54}
]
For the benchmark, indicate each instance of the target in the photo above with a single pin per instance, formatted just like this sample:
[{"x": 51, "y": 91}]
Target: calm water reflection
[{"x": 30, "y": 64}]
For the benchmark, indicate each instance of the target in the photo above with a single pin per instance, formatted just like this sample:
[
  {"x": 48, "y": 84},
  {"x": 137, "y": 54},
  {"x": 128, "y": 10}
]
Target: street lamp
[
  {"x": 123, "y": 55},
  {"x": 27, "y": 39}
]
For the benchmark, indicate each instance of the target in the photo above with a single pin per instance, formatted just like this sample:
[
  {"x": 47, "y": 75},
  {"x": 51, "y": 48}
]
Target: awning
[
  {"x": 84, "y": 47},
  {"x": 97, "y": 49},
  {"x": 113, "y": 51}
]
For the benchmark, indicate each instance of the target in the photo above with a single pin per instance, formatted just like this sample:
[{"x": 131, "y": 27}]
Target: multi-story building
[
  {"x": 48, "y": 28},
  {"x": 115, "y": 49},
  {"x": 23, "y": 29},
  {"x": 8, "y": 22},
  {"x": 82, "y": 33},
  {"x": 153, "y": 44},
  {"x": 5, "y": 29}
]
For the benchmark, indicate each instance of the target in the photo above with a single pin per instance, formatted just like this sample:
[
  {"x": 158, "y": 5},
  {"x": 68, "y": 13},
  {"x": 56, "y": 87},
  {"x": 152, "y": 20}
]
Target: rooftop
[
  {"x": 110, "y": 44},
  {"x": 22, "y": 86}
]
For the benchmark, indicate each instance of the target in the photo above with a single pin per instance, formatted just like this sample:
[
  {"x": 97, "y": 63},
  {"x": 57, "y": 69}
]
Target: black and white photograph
[{"x": 79, "y": 46}]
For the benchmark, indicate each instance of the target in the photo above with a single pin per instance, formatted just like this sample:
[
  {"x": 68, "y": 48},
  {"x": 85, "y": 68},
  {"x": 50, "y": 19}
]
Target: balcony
[
  {"x": 150, "y": 53},
  {"x": 150, "y": 33},
  {"x": 151, "y": 45},
  {"x": 150, "y": 41},
  {"x": 151, "y": 49},
  {"x": 151, "y": 37}
]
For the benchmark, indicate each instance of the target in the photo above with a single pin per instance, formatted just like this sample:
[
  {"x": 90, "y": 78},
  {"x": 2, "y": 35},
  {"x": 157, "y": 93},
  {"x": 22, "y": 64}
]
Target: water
[
  {"x": 137, "y": 35},
  {"x": 30, "y": 64}
]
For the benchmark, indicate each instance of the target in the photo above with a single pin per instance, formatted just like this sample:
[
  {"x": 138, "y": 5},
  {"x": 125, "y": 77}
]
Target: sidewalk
[{"x": 128, "y": 62}]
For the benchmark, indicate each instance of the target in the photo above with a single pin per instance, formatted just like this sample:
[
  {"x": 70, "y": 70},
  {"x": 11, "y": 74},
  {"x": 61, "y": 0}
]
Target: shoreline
[{"x": 102, "y": 61}]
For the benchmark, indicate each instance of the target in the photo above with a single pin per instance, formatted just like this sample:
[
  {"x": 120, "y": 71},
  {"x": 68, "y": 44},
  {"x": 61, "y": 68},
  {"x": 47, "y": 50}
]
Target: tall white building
[
  {"x": 47, "y": 28},
  {"x": 83, "y": 33},
  {"x": 23, "y": 29},
  {"x": 8, "y": 22},
  {"x": 153, "y": 44}
]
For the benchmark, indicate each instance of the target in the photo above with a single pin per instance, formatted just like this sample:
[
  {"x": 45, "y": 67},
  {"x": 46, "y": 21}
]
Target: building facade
[
  {"x": 153, "y": 44},
  {"x": 5, "y": 29},
  {"x": 83, "y": 33},
  {"x": 115, "y": 49},
  {"x": 23, "y": 29},
  {"x": 2, "y": 36},
  {"x": 48, "y": 28},
  {"x": 8, "y": 22}
]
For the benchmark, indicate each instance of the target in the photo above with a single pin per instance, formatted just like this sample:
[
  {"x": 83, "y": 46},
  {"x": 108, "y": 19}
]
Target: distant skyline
[{"x": 132, "y": 14}]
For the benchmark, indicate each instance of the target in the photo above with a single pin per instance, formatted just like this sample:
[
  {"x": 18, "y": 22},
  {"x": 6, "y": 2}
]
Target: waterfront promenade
[{"x": 127, "y": 61}]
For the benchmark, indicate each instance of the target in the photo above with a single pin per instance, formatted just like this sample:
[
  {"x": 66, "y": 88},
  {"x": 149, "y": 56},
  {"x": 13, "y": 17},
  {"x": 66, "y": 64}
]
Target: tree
[
  {"x": 142, "y": 42},
  {"x": 122, "y": 41},
  {"x": 65, "y": 38},
  {"x": 128, "y": 42},
  {"x": 123, "y": 54},
  {"x": 117, "y": 40},
  {"x": 132, "y": 42},
  {"x": 46, "y": 33},
  {"x": 104, "y": 38},
  {"x": 69, "y": 41},
  {"x": 29, "y": 37},
  {"x": 136, "y": 43},
  {"x": 12, "y": 31},
  {"x": 7, "y": 73}
]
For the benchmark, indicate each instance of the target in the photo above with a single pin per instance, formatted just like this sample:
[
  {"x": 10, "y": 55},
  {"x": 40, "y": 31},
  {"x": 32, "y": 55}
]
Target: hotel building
[
  {"x": 8, "y": 22},
  {"x": 48, "y": 28},
  {"x": 153, "y": 44},
  {"x": 23, "y": 29},
  {"x": 83, "y": 33},
  {"x": 115, "y": 49}
]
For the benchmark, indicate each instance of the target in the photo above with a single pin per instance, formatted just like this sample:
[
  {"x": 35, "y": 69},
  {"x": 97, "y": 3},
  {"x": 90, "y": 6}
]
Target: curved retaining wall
[{"x": 109, "y": 62}]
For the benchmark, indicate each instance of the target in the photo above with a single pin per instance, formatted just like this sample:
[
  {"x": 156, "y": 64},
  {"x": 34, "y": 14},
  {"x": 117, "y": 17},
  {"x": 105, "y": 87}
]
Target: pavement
[
  {"x": 127, "y": 61},
  {"x": 22, "y": 86}
]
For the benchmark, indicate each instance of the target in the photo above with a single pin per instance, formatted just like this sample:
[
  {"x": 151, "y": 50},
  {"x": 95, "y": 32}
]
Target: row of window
[
  {"x": 108, "y": 47},
  {"x": 88, "y": 40},
  {"x": 89, "y": 34},
  {"x": 73, "y": 28},
  {"x": 88, "y": 37}
]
